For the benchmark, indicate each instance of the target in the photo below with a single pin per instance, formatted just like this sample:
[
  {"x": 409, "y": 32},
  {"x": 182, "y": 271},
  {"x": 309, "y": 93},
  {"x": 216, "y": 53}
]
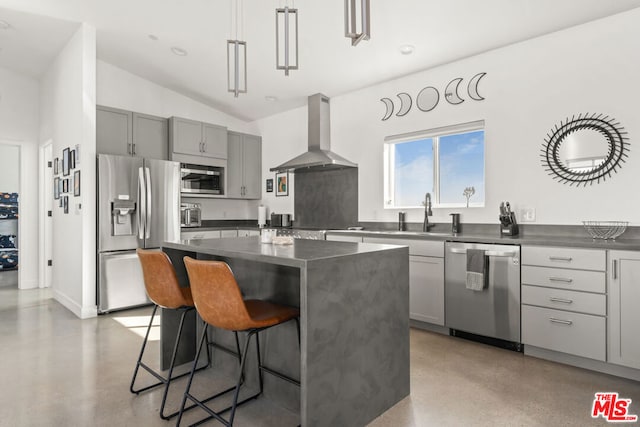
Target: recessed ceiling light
[
  {"x": 271, "y": 98},
  {"x": 4, "y": 25},
  {"x": 407, "y": 49},
  {"x": 179, "y": 51},
  {"x": 153, "y": 37}
]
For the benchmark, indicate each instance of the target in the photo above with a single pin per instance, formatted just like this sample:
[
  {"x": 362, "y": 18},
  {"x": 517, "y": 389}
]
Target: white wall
[
  {"x": 19, "y": 127},
  {"x": 10, "y": 170},
  {"x": 529, "y": 88},
  {"x": 121, "y": 89},
  {"x": 68, "y": 119}
]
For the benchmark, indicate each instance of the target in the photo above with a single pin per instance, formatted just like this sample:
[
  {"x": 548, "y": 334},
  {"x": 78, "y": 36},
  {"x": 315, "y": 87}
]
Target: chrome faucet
[{"x": 427, "y": 212}]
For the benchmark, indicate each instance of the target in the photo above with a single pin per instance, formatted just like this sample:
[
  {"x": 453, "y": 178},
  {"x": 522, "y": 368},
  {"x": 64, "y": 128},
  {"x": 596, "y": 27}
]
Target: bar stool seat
[
  {"x": 219, "y": 303},
  {"x": 164, "y": 291}
]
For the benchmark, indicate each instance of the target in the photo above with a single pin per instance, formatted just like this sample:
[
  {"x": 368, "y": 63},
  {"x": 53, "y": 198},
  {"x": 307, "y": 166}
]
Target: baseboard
[
  {"x": 429, "y": 327},
  {"x": 583, "y": 362},
  {"x": 29, "y": 284},
  {"x": 74, "y": 307}
]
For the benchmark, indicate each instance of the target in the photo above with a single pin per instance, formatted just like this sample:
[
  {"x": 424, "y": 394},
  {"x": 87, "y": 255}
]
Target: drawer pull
[
  {"x": 560, "y": 258},
  {"x": 560, "y": 279},
  {"x": 562, "y": 300},
  {"x": 564, "y": 322}
]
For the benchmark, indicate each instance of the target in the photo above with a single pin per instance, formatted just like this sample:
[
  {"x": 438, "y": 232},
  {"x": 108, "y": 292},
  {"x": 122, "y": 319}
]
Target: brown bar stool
[
  {"x": 219, "y": 303},
  {"x": 163, "y": 289}
]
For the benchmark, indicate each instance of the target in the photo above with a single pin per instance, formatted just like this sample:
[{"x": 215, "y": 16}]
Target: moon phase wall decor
[
  {"x": 451, "y": 92},
  {"x": 429, "y": 97},
  {"x": 472, "y": 87},
  {"x": 585, "y": 149}
]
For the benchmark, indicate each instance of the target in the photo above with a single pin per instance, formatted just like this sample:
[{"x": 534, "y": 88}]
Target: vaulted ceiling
[{"x": 138, "y": 36}]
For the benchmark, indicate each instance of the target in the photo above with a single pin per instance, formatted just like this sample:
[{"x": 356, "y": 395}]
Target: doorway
[
  {"x": 9, "y": 215},
  {"x": 46, "y": 213}
]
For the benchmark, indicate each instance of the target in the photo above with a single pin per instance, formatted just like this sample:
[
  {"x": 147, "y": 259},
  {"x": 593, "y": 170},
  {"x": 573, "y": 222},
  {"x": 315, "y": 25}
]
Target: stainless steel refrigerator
[{"x": 138, "y": 207}]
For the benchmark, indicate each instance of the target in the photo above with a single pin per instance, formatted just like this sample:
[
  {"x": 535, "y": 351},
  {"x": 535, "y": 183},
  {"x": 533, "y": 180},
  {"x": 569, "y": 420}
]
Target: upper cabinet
[
  {"x": 190, "y": 137},
  {"x": 127, "y": 133},
  {"x": 244, "y": 171}
]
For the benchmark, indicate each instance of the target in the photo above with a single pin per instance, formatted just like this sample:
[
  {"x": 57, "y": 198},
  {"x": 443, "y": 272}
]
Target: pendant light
[
  {"x": 286, "y": 23},
  {"x": 236, "y": 57},
  {"x": 351, "y": 10}
]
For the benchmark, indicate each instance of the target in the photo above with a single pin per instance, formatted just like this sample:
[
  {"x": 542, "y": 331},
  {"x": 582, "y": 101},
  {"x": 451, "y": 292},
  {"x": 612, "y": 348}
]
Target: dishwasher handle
[{"x": 487, "y": 253}]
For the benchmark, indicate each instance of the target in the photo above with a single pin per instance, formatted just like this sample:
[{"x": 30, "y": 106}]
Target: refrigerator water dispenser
[{"x": 122, "y": 217}]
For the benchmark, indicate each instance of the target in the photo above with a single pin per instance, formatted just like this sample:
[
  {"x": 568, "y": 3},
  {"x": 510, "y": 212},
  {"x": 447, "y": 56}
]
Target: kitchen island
[{"x": 353, "y": 362}]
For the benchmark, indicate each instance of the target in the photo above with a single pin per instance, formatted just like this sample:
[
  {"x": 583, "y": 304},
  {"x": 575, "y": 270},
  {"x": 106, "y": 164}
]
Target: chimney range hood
[{"x": 319, "y": 155}]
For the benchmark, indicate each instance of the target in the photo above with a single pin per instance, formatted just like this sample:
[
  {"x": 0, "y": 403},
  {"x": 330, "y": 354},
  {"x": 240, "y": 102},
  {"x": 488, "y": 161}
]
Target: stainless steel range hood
[{"x": 319, "y": 154}]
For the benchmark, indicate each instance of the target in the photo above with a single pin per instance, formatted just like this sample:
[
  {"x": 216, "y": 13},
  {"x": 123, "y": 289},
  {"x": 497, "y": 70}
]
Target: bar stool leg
[
  {"x": 144, "y": 345},
  {"x": 234, "y": 405}
]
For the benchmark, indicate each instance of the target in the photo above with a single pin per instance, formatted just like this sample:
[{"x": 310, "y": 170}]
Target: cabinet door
[
  {"x": 186, "y": 136},
  {"x": 234, "y": 165},
  {"x": 150, "y": 136},
  {"x": 214, "y": 141},
  {"x": 341, "y": 238},
  {"x": 252, "y": 168},
  {"x": 113, "y": 131},
  {"x": 195, "y": 235},
  {"x": 426, "y": 289},
  {"x": 624, "y": 316}
]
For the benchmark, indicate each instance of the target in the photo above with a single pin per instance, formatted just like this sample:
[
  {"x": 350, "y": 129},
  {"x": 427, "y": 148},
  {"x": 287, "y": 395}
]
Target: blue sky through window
[{"x": 413, "y": 171}]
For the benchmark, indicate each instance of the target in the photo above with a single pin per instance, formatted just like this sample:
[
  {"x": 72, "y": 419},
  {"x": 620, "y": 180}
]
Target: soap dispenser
[{"x": 455, "y": 223}]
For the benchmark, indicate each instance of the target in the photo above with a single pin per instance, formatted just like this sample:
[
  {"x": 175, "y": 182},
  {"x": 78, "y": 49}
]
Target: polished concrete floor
[{"x": 57, "y": 370}]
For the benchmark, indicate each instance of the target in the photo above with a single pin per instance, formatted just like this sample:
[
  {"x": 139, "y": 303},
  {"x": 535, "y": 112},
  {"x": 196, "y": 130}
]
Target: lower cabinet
[
  {"x": 624, "y": 316},
  {"x": 426, "y": 289},
  {"x": 343, "y": 238},
  {"x": 247, "y": 233},
  {"x": 426, "y": 277},
  {"x": 191, "y": 235}
]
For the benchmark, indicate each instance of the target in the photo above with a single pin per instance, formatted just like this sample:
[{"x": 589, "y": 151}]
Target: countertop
[
  {"x": 294, "y": 255},
  {"x": 558, "y": 240}
]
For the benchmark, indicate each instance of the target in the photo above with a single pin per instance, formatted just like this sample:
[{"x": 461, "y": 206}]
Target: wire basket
[{"x": 605, "y": 229}]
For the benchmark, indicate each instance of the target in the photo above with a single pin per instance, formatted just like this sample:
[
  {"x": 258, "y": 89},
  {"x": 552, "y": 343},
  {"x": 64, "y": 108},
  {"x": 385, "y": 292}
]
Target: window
[{"x": 443, "y": 162}]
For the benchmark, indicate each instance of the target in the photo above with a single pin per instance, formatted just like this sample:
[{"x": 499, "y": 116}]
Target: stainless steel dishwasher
[{"x": 493, "y": 312}]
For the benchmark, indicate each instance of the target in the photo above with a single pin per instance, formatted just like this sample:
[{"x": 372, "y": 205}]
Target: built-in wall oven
[
  {"x": 203, "y": 180},
  {"x": 494, "y": 310}
]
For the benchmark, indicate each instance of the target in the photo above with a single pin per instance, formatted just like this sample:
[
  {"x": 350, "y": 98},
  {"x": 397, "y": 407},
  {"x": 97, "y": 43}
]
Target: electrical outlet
[{"x": 528, "y": 215}]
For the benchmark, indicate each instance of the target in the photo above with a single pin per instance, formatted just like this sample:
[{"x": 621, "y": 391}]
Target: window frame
[{"x": 435, "y": 134}]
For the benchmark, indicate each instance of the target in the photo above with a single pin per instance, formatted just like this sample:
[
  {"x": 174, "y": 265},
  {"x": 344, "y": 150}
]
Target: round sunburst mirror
[{"x": 585, "y": 149}]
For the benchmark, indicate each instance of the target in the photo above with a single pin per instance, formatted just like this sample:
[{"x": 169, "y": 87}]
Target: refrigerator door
[
  {"x": 117, "y": 181},
  {"x": 121, "y": 284},
  {"x": 162, "y": 204}
]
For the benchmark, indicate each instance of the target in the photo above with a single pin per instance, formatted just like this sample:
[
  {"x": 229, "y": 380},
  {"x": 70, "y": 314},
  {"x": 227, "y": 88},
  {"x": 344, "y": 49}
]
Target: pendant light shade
[
  {"x": 353, "y": 9},
  {"x": 286, "y": 33},
  {"x": 236, "y": 67},
  {"x": 236, "y": 56}
]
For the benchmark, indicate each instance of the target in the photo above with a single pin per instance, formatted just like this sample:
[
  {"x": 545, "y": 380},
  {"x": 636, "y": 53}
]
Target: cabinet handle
[
  {"x": 615, "y": 268},
  {"x": 134, "y": 149},
  {"x": 560, "y": 258},
  {"x": 129, "y": 148},
  {"x": 560, "y": 279},
  {"x": 562, "y": 300},
  {"x": 204, "y": 147},
  {"x": 564, "y": 322}
]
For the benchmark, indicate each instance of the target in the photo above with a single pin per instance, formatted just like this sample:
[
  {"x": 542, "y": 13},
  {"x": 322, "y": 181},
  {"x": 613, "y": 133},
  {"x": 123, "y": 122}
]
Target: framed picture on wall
[
  {"x": 65, "y": 204},
  {"x": 270, "y": 185},
  {"x": 56, "y": 188},
  {"x": 72, "y": 159},
  {"x": 65, "y": 185},
  {"x": 282, "y": 184},
  {"x": 56, "y": 171},
  {"x": 65, "y": 161},
  {"x": 76, "y": 183}
]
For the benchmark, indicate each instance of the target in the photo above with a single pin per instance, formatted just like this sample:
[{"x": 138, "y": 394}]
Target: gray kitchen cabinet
[
  {"x": 341, "y": 238},
  {"x": 228, "y": 233},
  {"x": 244, "y": 166},
  {"x": 127, "y": 133},
  {"x": 426, "y": 277},
  {"x": 248, "y": 233},
  {"x": 624, "y": 316},
  {"x": 196, "y": 234},
  {"x": 564, "y": 300},
  {"x": 190, "y": 137}
]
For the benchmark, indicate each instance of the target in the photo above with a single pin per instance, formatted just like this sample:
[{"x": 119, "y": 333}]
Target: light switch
[{"x": 528, "y": 215}]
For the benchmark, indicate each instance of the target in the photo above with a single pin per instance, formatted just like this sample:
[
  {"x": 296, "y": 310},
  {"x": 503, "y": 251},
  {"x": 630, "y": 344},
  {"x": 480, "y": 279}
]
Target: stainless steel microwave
[{"x": 199, "y": 179}]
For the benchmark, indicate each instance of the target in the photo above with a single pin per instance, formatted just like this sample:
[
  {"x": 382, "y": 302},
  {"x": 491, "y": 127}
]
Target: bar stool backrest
[
  {"x": 160, "y": 280},
  {"x": 216, "y": 295}
]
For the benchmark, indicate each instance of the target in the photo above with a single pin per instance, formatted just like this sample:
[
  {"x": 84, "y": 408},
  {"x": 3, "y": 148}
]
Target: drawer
[
  {"x": 581, "y": 302},
  {"x": 585, "y": 259},
  {"x": 572, "y": 333},
  {"x": 211, "y": 234},
  {"x": 416, "y": 247},
  {"x": 564, "y": 278},
  {"x": 228, "y": 233},
  {"x": 343, "y": 238}
]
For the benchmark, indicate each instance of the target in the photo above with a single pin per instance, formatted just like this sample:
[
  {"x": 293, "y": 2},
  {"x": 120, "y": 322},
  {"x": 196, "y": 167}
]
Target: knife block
[{"x": 508, "y": 225}]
